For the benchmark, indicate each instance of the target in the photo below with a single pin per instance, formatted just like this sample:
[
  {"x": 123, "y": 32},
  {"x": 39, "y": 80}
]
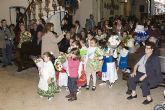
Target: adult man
[
  {"x": 5, "y": 43},
  {"x": 91, "y": 22},
  {"x": 147, "y": 71}
]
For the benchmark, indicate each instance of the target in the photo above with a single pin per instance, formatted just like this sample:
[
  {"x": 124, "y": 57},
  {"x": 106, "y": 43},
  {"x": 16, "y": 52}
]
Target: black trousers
[
  {"x": 132, "y": 83},
  {"x": 72, "y": 84}
]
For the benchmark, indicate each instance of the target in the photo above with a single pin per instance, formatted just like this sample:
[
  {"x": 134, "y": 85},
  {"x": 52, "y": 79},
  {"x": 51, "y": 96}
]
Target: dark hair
[
  {"x": 77, "y": 43},
  {"x": 83, "y": 40},
  {"x": 99, "y": 29},
  {"x": 48, "y": 27},
  {"x": 91, "y": 33},
  {"x": 78, "y": 35},
  {"x": 94, "y": 39},
  {"x": 127, "y": 48},
  {"x": 43, "y": 21},
  {"x": 77, "y": 22},
  {"x": 51, "y": 57},
  {"x": 102, "y": 44},
  {"x": 126, "y": 32},
  {"x": 73, "y": 26},
  {"x": 151, "y": 44},
  {"x": 76, "y": 52}
]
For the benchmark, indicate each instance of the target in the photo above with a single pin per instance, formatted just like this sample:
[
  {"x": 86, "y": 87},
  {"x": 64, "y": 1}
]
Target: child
[
  {"x": 73, "y": 62},
  {"x": 83, "y": 50},
  {"x": 93, "y": 64},
  {"x": 130, "y": 44},
  {"x": 82, "y": 79},
  {"x": 75, "y": 44},
  {"x": 60, "y": 65},
  {"x": 100, "y": 35},
  {"x": 47, "y": 83},
  {"x": 90, "y": 35},
  {"x": 109, "y": 71},
  {"x": 123, "y": 58}
]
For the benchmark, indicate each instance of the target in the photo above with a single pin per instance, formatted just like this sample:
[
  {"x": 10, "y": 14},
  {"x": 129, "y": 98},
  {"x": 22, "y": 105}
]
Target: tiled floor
[{"x": 18, "y": 92}]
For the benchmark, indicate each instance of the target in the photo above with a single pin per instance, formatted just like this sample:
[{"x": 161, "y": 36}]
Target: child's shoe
[
  {"x": 74, "y": 97},
  {"x": 87, "y": 87},
  {"x": 66, "y": 88},
  {"x": 110, "y": 85},
  {"x": 78, "y": 91},
  {"x": 50, "y": 98},
  {"x": 69, "y": 96},
  {"x": 93, "y": 88}
]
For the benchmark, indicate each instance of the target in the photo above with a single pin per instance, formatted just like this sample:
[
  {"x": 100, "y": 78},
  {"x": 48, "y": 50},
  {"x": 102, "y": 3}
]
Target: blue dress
[
  {"x": 105, "y": 61},
  {"x": 123, "y": 63}
]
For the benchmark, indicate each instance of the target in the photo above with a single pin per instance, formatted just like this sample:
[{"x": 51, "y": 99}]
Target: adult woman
[
  {"x": 147, "y": 71},
  {"x": 23, "y": 48},
  {"x": 118, "y": 27},
  {"x": 49, "y": 41},
  {"x": 78, "y": 27}
]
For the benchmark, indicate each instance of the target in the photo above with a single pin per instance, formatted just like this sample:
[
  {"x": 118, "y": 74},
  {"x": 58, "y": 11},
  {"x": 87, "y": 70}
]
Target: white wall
[
  {"x": 5, "y": 4},
  {"x": 84, "y": 11}
]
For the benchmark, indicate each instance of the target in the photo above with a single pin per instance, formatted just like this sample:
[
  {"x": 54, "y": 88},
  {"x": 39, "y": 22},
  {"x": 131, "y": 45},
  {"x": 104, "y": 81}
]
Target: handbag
[{"x": 81, "y": 81}]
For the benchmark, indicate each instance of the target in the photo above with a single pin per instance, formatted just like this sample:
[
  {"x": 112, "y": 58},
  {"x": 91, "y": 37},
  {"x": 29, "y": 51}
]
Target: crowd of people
[{"x": 98, "y": 50}]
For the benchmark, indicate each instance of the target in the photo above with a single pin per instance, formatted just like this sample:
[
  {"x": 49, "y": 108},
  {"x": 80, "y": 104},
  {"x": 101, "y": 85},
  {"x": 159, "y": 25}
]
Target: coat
[
  {"x": 153, "y": 70},
  {"x": 3, "y": 35},
  {"x": 49, "y": 43}
]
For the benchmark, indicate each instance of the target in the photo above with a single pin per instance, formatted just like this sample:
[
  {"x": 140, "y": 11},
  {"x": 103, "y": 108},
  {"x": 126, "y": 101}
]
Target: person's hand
[
  {"x": 142, "y": 78},
  {"x": 49, "y": 81},
  {"x": 133, "y": 74}
]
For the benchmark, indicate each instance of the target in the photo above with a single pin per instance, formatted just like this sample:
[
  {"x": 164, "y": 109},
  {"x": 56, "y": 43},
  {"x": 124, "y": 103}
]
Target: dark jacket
[
  {"x": 63, "y": 45},
  {"x": 153, "y": 71}
]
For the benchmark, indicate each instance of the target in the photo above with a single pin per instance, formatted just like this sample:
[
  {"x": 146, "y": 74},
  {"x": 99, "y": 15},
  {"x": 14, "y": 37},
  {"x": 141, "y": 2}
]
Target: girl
[
  {"x": 100, "y": 35},
  {"x": 130, "y": 44},
  {"x": 92, "y": 63},
  {"x": 72, "y": 70},
  {"x": 83, "y": 49},
  {"x": 82, "y": 76},
  {"x": 123, "y": 58},
  {"x": 47, "y": 83},
  {"x": 62, "y": 76},
  {"x": 109, "y": 72},
  {"x": 90, "y": 35},
  {"x": 74, "y": 44}
]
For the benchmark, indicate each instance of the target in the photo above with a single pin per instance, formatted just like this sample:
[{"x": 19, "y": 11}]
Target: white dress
[
  {"x": 111, "y": 74},
  {"x": 63, "y": 76},
  {"x": 46, "y": 70}
]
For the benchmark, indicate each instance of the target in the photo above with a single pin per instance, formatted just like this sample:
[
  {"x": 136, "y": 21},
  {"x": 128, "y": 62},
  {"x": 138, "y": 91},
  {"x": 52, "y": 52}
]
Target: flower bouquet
[
  {"x": 114, "y": 41},
  {"x": 59, "y": 63}
]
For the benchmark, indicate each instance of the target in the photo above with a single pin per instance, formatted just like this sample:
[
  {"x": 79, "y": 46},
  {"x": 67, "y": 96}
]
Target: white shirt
[{"x": 141, "y": 64}]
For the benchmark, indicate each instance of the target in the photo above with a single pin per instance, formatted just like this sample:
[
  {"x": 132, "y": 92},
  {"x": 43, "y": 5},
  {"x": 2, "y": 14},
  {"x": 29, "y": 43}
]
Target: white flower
[{"x": 114, "y": 41}]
